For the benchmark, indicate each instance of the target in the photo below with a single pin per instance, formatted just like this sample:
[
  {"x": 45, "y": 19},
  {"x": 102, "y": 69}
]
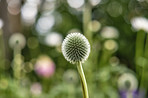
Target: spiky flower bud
[{"x": 75, "y": 48}]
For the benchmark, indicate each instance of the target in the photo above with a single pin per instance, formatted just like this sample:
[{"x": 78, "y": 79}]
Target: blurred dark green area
[{"x": 35, "y": 67}]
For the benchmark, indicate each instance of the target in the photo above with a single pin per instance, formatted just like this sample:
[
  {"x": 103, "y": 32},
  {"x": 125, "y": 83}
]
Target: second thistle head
[{"x": 75, "y": 48}]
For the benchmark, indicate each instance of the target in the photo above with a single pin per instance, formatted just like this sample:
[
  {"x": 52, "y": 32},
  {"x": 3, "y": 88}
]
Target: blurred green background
[{"x": 31, "y": 60}]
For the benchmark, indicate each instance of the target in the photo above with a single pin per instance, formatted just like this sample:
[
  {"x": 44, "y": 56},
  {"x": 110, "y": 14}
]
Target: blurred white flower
[
  {"x": 75, "y": 3},
  {"x": 53, "y": 39},
  {"x": 45, "y": 23},
  {"x": 127, "y": 82},
  {"x": 109, "y": 32},
  {"x": 95, "y": 2},
  {"x": 14, "y": 6},
  {"x": 28, "y": 13},
  {"x": 140, "y": 23},
  {"x": 36, "y": 88},
  {"x": 17, "y": 39}
]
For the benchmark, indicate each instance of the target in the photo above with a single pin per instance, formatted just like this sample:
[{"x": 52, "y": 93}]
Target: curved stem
[{"x": 83, "y": 80}]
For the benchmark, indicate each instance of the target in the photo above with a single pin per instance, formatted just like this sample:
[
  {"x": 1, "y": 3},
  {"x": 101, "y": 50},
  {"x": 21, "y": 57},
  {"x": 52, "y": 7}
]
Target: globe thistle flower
[
  {"x": 45, "y": 67},
  {"x": 127, "y": 82},
  {"x": 140, "y": 23},
  {"x": 17, "y": 39},
  {"x": 75, "y": 48}
]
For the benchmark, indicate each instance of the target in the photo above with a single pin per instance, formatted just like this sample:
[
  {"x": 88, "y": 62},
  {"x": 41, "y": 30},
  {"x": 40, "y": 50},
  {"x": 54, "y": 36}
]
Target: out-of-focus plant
[
  {"x": 17, "y": 42},
  {"x": 117, "y": 32}
]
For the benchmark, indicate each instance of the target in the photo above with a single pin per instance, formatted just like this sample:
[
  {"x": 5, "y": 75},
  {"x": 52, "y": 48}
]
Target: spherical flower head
[
  {"x": 75, "y": 48},
  {"x": 17, "y": 40},
  {"x": 127, "y": 82},
  {"x": 140, "y": 23}
]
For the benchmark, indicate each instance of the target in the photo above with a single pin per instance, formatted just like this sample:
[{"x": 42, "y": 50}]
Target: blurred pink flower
[{"x": 45, "y": 67}]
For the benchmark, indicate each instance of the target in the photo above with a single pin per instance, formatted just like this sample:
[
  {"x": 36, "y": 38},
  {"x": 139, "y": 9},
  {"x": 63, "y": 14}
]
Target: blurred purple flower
[
  {"x": 123, "y": 94},
  {"x": 133, "y": 94},
  {"x": 45, "y": 67},
  {"x": 139, "y": 94}
]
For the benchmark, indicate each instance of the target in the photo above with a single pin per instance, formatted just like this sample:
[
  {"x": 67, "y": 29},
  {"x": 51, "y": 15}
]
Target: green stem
[
  {"x": 83, "y": 80},
  {"x": 105, "y": 58},
  {"x": 139, "y": 47},
  {"x": 86, "y": 20},
  {"x": 17, "y": 62},
  {"x": 140, "y": 44},
  {"x": 145, "y": 68},
  {"x": 146, "y": 47},
  {"x": 2, "y": 52},
  {"x": 144, "y": 80}
]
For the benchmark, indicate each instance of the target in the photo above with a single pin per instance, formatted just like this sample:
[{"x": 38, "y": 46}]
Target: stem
[
  {"x": 144, "y": 75},
  {"x": 105, "y": 58},
  {"x": 86, "y": 20},
  {"x": 146, "y": 47},
  {"x": 139, "y": 48},
  {"x": 140, "y": 44},
  {"x": 143, "y": 82},
  {"x": 83, "y": 80},
  {"x": 2, "y": 52},
  {"x": 142, "y": 79},
  {"x": 17, "y": 62}
]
